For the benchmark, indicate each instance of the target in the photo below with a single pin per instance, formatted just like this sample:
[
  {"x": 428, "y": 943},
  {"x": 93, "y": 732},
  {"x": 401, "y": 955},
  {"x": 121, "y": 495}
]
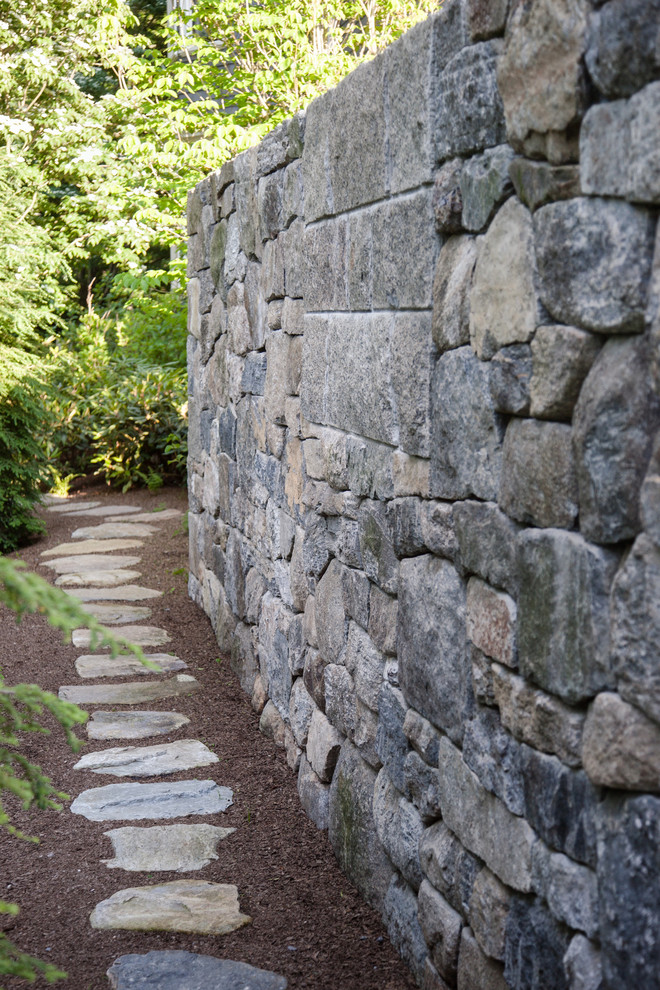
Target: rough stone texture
[
  {"x": 93, "y": 665},
  {"x": 489, "y": 908},
  {"x": 107, "y": 531},
  {"x": 582, "y": 964},
  {"x": 535, "y": 947},
  {"x": 128, "y": 693},
  {"x": 93, "y": 564},
  {"x": 314, "y": 795},
  {"x": 133, "y": 802},
  {"x": 621, "y": 746},
  {"x": 491, "y": 621},
  {"x": 172, "y": 969},
  {"x": 615, "y": 420},
  {"x": 133, "y": 725},
  {"x": 563, "y": 641},
  {"x": 485, "y": 183},
  {"x": 594, "y": 260},
  {"x": 538, "y": 183},
  {"x": 323, "y": 746},
  {"x": 136, "y": 635},
  {"x": 399, "y": 828},
  {"x": 623, "y": 51},
  {"x": 572, "y": 894},
  {"x": 441, "y": 926},
  {"x": 448, "y": 866},
  {"x": 539, "y": 483},
  {"x": 117, "y": 614},
  {"x": 451, "y": 293},
  {"x": 122, "y": 593},
  {"x": 109, "y": 579},
  {"x": 148, "y": 761},
  {"x": 510, "y": 372},
  {"x": 561, "y": 359},
  {"x": 469, "y": 108},
  {"x": 91, "y": 547},
  {"x": 447, "y": 199},
  {"x": 400, "y": 914},
  {"x": 178, "y": 906},
  {"x": 477, "y": 971},
  {"x": 175, "y": 848},
  {"x": 488, "y": 543}
]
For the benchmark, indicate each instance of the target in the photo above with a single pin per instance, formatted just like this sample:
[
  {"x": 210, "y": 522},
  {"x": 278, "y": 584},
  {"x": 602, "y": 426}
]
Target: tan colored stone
[
  {"x": 136, "y": 635},
  {"x": 97, "y": 579},
  {"x": 123, "y": 593},
  {"x": 164, "y": 848},
  {"x": 621, "y": 746},
  {"x": 95, "y": 665},
  {"x": 84, "y": 547},
  {"x": 489, "y": 908},
  {"x": 148, "y": 761},
  {"x": 179, "y": 906},
  {"x": 133, "y": 725},
  {"x": 129, "y": 693},
  {"x": 111, "y": 530},
  {"x": 91, "y": 563},
  {"x": 491, "y": 621}
]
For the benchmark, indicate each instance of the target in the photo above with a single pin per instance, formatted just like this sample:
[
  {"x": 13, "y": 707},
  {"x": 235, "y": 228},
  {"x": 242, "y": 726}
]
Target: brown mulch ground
[{"x": 309, "y": 923}]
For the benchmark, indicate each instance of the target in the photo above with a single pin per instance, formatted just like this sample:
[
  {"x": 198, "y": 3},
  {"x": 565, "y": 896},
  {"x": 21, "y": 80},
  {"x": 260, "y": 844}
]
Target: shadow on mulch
[{"x": 309, "y": 923}]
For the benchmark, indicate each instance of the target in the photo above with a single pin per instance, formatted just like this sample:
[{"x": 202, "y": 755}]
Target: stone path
[{"x": 90, "y": 571}]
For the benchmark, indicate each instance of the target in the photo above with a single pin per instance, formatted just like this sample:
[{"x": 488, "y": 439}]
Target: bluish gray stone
[
  {"x": 173, "y": 969},
  {"x": 488, "y": 544},
  {"x": 441, "y": 926},
  {"x": 510, "y": 374},
  {"x": 399, "y": 828},
  {"x": 561, "y": 805},
  {"x": 469, "y": 115},
  {"x": 391, "y": 741},
  {"x": 572, "y": 894},
  {"x": 563, "y": 613},
  {"x": 616, "y": 418},
  {"x": 423, "y": 785},
  {"x": 561, "y": 359},
  {"x": 485, "y": 183},
  {"x": 594, "y": 261},
  {"x": 583, "y": 966},
  {"x": 132, "y": 802},
  {"x": 539, "y": 483},
  {"x": 254, "y": 373},
  {"x": 535, "y": 947},
  {"x": 628, "y": 881},
  {"x": 400, "y": 917},
  {"x": 466, "y": 437},
  {"x": 624, "y": 51},
  {"x": 494, "y": 756},
  {"x": 434, "y": 668}
]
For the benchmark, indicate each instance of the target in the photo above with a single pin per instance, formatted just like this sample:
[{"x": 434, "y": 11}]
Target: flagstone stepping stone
[
  {"x": 97, "y": 578},
  {"x": 178, "y": 906},
  {"x": 93, "y": 665},
  {"x": 84, "y": 547},
  {"x": 110, "y": 530},
  {"x": 108, "y": 510},
  {"x": 90, "y": 563},
  {"x": 123, "y": 593},
  {"x": 133, "y": 725},
  {"x": 137, "y": 635},
  {"x": 62, "y": 504},
  {"x": 174, "y": 969},
  {"x": 148, "y": 761},
  {"x": 114, "y": 615},
  {"x": 155, "y": 517},
  {"x": 133, "y": 802},
  {"x": 129, "y": 693},
  {"x": 164, "y": 848}
]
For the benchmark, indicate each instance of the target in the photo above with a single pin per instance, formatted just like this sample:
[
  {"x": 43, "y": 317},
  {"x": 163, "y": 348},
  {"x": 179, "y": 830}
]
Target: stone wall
[{"x": 425, "y": 482}]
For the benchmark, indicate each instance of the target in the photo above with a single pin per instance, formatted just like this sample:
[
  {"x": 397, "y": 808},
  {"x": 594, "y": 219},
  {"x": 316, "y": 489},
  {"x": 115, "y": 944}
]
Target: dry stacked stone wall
[{"x": 425, "y": 480}]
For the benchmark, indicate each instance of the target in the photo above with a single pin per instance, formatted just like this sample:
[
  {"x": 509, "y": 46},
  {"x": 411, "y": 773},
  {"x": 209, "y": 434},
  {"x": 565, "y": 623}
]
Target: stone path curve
[{"x": 93, "y": 573}]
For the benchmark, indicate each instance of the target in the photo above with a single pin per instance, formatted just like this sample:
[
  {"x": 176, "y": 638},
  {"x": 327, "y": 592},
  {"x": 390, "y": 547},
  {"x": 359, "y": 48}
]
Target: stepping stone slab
[
  {"x": 108, "y": 510},
  {"x": 91, "y": 563},
  {"x": 57, "y": 505},
  {"x": 97, "y": 578},
  {"x": 123, "y": 593},
  {"x": 114, "y": 615},
  {"x": 137, "y": 635},
  {"x": 135, "y": 802},
  {"x": 93, "y": 665},
  {"x": 133, "y": 725},
  {"x": 155, "y": 517},
  {"x": 130, "y": 693},
  {"x": 107, "y": 531},
  {"x": 164, "y": 848},
  {"x": 174, "y": 969},
  {"x": 178, "y": 906},
  {"x": 92, "y": 546},
  {"x": 148, "y": 761}
]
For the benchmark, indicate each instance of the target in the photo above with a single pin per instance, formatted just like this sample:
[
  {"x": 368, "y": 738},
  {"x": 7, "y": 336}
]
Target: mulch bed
[{"x": 309, "y": 923}]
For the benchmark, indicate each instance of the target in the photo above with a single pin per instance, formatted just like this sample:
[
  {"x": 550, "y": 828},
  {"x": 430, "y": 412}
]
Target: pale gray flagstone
[
  {"x": 131, "y": 802},
  {"x": 90, "y": 563},
  {"x": 97, "y": 578},
  {"x": 133, "y": 725},
  {"x": 63, "y": 504},
  {"x": 178, "y": 906},
  {"x": 108, "y": 510},
  {"x": 83, "y": 547},
  {"x": 164, "y": 848},
  {"x": 110, "y": 530},
  {"x": 148, "y": 761},
  {"x": 155, "y": 517},
  {"x": 95, "y": 665},
  {"x": 116, "y": 614},
  {"x": 137, "y": 635},
  {"x": 174, "y": 969},
  {"x": 123, "y": 593},
  {"x": 130, "y": 693}
]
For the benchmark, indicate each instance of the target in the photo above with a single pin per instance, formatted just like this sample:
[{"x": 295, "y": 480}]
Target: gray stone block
[
  {"x": 172, "y": 969},
  {"x": 539, "y": 483},
  {"x": 635, "y": 627},
  {"x": 450, "y": 868},
  {"x": 485, "y": 183},
  {"x": 628, "y": 878},
  {"x": 245, "y": 192},
  {"x": 351, "y": 829},
  {"x": 449, "y": 33},
  {"x": 488, "y": 544},
  {"x": 293, "y": 200},
  {"x": 605, "y": 149},
  {"x": 615, "y": 421},
  {"x": 489, "y": 908},
  {"x": 406, "y": 520},
  {"x": 272, "y": 274},
  {"x": 485, "y": 18},
  {"x": 583, "y": 965},
  {"x": 270, "y": 196},
  {"x": 281, "y": 145},
  {"x": 340, "y": 700},
  {"x": 254, "y": 373},
  {"x": 447, "y": 198},
  {"x": 314, "y": 795},
  {"x": 366, "y": 664},
  {"x": 476, "y": 971},
  {"x": 563, "y": 611},
  {"x": 494, "y": 756},
  {"x": 400, "y": 915},
  {"x": 441, "y": 926},
  {"x": 621, "y": 746},
  {"x": 594, "y": 260},
  {"x": 538, "y": 183},
  {"x": 504, "y": 304},
  {"x": 572, "y": 894},
  {"x": 451, "y": 293},
  {"x": 491, "y": 622},
  {"x": 412, "y": 348},
  {"x": 423, "y": 785},
  {"x": 623, "y": 52},
  {"x": 324, "y": 266},
  {"x": 391, "y": 742},
  {"x": 649, "y": 500},
  {"x": 561, "y": 805},
  {"x": 376, "y": 545},
  {"x": 535, "y": 947},
  {"x": 466, "y": 450},
  {"x": 403, "y": 227},
  {"x": 330, "y": 612},
  {"x": 561, "y": 359},
  {"x": 399, "y": 828},
  {"x": 469, "y": 112},
  {"x": 551, "y": 36},
  {"x": 408, "y": 69},
  {"x": 382, "y": 620},
  {"x": 359, "y": 260},
  {"x": 434, "y": 668},
  {"x": 510, "y": 374}
]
